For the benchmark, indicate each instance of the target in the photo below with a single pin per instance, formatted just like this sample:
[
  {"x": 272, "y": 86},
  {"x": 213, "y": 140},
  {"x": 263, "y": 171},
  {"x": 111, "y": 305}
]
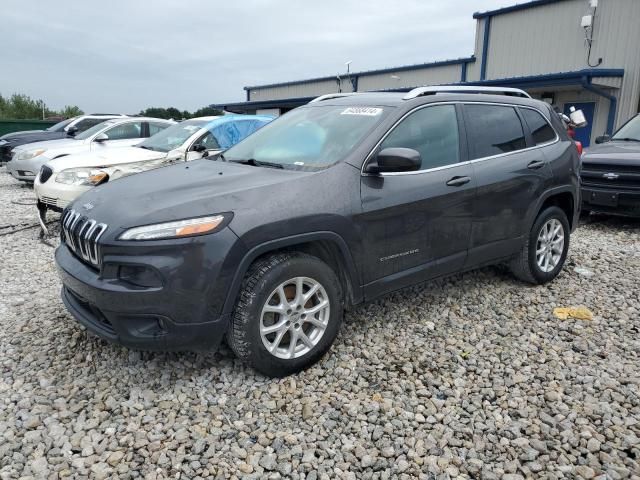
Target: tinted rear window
[
  {"x": 493, "y": 129},
  {"x": 540, "y": 128}
]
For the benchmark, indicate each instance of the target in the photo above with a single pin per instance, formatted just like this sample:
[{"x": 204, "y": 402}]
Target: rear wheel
[
  {"x": 545, "y": 249},
  {"x": 288, "y": 314}
]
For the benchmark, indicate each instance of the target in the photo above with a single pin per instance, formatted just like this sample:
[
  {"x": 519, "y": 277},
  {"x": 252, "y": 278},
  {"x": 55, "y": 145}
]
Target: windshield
[
  {"x": 59, "y": 127},
  {"x": 93, "y": 130},
  {"x": 173, "y": 137},
  {"x": 630, "y": 131},
  {"x": 308, "y": 138}
]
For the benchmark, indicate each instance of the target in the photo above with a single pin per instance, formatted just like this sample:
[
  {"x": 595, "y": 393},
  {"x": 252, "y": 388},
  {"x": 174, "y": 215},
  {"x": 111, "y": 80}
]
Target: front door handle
[
  {"x": 536, "y": 164},
  {"x": 458, "y": 181}
]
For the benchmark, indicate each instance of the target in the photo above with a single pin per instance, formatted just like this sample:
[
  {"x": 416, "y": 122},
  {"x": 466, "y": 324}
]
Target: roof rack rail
[
  {"x": 114, "y": 114},
  {"x": 329, "y": 96},
  {"x": 421, "y": 91}
]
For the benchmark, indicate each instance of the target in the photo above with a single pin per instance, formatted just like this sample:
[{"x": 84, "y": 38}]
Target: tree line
[
  {"x": 175, "y": 114},
  {"x": 23, "y": 107}
]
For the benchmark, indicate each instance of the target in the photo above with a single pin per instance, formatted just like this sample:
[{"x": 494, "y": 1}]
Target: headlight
[
  {"x": 180, "y": 228},
  {"x": 82, "y": 176},
  {"x": 27, "y": 154}
]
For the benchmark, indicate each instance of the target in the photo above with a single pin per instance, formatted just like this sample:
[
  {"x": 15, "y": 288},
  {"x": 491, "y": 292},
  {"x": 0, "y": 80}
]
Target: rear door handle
[
  {"x": 535, "y": 165},
  {"x": 458, "y": 181}
]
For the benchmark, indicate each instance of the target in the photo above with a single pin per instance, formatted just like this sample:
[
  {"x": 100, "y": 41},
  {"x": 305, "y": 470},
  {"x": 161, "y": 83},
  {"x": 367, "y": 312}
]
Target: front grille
[
  {"x": 81, "y": 235},
  {"x": 45, "y": 174},
  {"x": 602, "y": 175}
]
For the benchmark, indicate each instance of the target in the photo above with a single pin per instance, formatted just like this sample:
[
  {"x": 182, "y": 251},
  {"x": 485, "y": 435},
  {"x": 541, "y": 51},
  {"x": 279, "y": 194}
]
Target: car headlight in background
[
  {"x": 177, "y": 229},
  {"x": 27, "y": 154},
  {"x": 82, "y": 176}
]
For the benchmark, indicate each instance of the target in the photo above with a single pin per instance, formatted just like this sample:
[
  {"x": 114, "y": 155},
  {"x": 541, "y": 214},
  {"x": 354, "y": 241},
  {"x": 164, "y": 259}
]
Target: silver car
[{"x": 27, "y": 160}]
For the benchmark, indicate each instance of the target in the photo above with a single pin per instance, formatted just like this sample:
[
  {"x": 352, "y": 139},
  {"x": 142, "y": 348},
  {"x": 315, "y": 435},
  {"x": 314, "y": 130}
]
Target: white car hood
[
  {"x": 108, "y": 157},
  {"x": 61, "y": 143}
]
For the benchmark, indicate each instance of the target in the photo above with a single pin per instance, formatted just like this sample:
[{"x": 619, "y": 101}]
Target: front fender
[{"x": 288, "y": 242}]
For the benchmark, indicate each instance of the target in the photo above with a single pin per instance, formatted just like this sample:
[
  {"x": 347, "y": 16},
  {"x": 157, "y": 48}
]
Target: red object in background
[
  {"x": 578, "y": 146},
  {"x": 571, "y": 132}
]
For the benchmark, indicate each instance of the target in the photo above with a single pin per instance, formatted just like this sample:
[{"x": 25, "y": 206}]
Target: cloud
[{"x": 122, "y": 55}]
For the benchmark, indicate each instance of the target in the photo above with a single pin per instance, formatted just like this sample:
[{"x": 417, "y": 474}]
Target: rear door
[
  {"x": 416, "y": 225},
  {"x": 512, "y": 172}
]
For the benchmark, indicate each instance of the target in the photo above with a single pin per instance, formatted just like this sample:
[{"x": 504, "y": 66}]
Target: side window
[
  {"x": 538, "y": 125},
  {"x": 209, "y": 141},
  {"x": 432, "y": 131},
  {"x": 156, "y": 127},
  {"x": 493, "y": 129},
  {"x": 125, "y": 131},
  {"x": 87, "y": 123}
]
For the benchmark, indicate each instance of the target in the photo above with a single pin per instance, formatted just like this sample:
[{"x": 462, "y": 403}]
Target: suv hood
[
  {"x": 107, "y": 157},
  {"x": 186, "y": 190},
  {"x": 613, "y": 152}
]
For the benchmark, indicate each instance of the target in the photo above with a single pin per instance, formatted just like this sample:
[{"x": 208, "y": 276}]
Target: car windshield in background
[
  {"x": 629, "y": 132},
  {"x": 308, "y": 138},
  {"x": 93, "y": 130},
  {"x": 59, "y": 127},
  {"x": 172, "y": 137}
]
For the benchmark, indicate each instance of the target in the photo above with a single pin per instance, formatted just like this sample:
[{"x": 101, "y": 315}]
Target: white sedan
[
  {"x": 26, "y": 160},
  {"x": 62, "y": 180}
]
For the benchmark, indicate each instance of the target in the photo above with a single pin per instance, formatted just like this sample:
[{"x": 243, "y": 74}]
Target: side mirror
[
  {"x": 603, "y": 138},
  {"x": 199, "y": 147},
  {"x": 71, "y": 131},
  {"x": 397, "y": 159},
  {"x": 103, "y": 137}
]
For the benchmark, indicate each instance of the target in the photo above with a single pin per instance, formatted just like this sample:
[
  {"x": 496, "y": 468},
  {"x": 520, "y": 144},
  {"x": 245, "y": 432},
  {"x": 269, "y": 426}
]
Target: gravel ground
[{"x": 470, "y": 377}]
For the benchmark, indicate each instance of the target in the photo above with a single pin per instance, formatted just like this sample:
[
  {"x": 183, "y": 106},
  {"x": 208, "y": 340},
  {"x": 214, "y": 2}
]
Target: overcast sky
[{"x": 125, "y": 55}]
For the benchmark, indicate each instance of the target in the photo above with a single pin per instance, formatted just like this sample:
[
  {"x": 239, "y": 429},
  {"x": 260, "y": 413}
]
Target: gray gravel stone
[{"x": 468, "y": 377}]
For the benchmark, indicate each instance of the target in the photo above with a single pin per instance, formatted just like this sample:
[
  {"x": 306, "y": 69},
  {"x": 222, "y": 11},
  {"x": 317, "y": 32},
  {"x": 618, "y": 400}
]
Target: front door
[
  {"x": 416, "y": 225},
  {"x": 583, "y": 135}
]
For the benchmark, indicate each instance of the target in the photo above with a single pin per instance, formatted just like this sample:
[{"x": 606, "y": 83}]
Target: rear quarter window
[
  {"x": 540, "y": 129},
  {"x": 493, "y": 130}
]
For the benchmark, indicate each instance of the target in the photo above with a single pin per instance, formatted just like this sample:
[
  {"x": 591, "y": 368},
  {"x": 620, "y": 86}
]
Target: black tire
[
  {"x": 524, "y": 266},
  {"x": 263, "y": 277}
]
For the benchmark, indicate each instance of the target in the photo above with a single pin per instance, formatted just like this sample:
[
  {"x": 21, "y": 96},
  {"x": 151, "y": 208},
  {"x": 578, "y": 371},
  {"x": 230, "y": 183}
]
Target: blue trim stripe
[
  {"x": 403, "y": 68},
  {"x": 485, "y": 48},
  {"x": 513, "y": 8}
]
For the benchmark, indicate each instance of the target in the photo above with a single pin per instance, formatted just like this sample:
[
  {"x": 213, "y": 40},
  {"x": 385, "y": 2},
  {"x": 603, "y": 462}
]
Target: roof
[
  {"x": 402, "y": 68},
  {"x": 514, "y": 8},
  {"x": 221, "y": 120},
  {"x": 546, "y": 80}
]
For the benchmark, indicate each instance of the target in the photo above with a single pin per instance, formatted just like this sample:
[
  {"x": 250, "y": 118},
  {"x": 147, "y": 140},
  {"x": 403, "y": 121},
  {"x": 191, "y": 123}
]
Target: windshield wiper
[
  {"x": 255, "y": 163},
  {"x": 627, "y": 139}
]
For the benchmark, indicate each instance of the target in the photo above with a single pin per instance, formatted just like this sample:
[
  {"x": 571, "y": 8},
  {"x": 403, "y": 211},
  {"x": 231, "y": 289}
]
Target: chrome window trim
[{"x": 467, "y": 162}]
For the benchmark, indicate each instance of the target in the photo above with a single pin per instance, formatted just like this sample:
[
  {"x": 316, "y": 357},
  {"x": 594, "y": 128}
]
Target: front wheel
[
  {"x": 288, "y": 314},
  {"x": 545, "y": 249}
]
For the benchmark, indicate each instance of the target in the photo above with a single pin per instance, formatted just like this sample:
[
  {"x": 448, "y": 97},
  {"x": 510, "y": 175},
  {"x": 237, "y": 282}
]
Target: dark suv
[
  {"x": 610, "y": 172},
  {"x": 335, "y": 203}
]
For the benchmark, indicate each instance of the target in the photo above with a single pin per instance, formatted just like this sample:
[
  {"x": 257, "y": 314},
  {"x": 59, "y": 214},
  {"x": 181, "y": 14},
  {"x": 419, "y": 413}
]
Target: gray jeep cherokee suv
[{"x": 338, "y": 202}]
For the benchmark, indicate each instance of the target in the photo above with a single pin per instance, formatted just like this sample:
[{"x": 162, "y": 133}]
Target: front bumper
[
  {"x": 57, "y": 196},
  {"x": 183, "y": 313},
  {"x": 611, "y": 201},
  {"x": 26, "y": 170}
]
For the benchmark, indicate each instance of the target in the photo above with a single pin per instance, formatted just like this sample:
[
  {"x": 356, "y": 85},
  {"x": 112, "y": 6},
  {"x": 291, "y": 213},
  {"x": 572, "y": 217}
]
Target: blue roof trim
[
  {"x": 402, "y": 68},
  {"x": 514, "y": 8}
]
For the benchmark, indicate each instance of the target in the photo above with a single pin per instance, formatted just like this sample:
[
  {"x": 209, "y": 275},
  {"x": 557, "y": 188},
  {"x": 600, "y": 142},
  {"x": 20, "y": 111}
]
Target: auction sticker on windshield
[{"x": 367, "y": 111}]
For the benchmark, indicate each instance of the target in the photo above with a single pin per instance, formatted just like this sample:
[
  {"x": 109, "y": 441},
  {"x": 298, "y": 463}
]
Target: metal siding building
[{"x": 539, "y": 46}]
